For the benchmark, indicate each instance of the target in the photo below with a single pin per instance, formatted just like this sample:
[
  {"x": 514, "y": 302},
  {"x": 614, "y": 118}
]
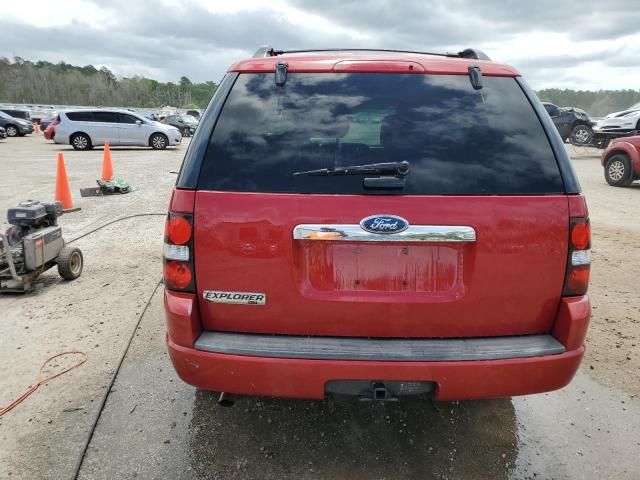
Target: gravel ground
[
  {"x": 613, "y": 342},
  {"x": 154, "y": 426}
]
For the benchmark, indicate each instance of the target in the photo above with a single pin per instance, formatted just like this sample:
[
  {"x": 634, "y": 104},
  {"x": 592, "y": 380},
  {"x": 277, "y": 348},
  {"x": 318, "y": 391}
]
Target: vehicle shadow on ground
[
  {"x": 66, "y": 148},
  {"x": 414, "y": 438}
]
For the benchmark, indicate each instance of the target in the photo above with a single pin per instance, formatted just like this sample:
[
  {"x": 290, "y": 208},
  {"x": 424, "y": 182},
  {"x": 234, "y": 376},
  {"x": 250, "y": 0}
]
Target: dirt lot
[{"x": 152, "y": 425}]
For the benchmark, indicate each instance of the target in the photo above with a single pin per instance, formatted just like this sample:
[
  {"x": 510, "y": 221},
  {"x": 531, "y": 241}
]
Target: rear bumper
[
  {"x": 302, "y": 378},
  {"x": 270, "y": 374}
]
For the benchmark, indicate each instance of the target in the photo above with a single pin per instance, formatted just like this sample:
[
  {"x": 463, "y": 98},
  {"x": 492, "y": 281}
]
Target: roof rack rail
[{"x": 471, "y": 53}]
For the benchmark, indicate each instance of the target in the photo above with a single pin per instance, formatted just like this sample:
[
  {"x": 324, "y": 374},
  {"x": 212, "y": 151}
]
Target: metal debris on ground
[{"x": 114, "y": 186}]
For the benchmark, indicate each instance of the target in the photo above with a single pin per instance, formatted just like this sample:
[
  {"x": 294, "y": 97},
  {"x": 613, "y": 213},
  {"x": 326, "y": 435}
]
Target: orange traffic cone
[
  {"x": 63, "y": 192},
  {"x": 107, "y": 167}
]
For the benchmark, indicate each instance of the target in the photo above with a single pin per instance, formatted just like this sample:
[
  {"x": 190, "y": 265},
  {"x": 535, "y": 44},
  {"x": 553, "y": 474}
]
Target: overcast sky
[{"x": 586, "y": 44}]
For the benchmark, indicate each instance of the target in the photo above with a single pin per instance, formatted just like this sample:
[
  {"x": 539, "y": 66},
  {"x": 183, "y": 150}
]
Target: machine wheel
[
  {"x": 186, "y": 132},
  {"x": 11, "y": 130},
  {"x": 617, "y": 171},
  {"x": 158, "y": 141},
  {"x": 70, "y": 263}
]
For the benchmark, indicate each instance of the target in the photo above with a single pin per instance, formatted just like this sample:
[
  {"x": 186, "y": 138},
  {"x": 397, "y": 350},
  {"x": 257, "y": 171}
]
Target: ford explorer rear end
[{"x": 379, "y": 224}]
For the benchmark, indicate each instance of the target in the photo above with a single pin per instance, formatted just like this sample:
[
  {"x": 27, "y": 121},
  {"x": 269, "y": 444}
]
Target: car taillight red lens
[
  {"x": 581, "y": 235},
  {"x": 177, "y": 275},
  {"x": 579, "y": 261},
  {"x": 178, "y": 249},
  {"x": 178, "y": 230},
  {"x": 578, "y": 279}
]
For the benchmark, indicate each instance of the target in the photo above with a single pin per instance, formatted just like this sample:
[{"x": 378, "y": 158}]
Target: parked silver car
[
  {"x": 624, "y": 121},
  {"x": 84, "y": 129}
]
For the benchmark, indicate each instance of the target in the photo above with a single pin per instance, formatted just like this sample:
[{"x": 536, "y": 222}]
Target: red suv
[{"x": 376, "y": 223}]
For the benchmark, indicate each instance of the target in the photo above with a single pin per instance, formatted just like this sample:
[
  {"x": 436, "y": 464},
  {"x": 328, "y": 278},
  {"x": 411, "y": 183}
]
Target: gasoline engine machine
[{"x": 33, "y": 244}]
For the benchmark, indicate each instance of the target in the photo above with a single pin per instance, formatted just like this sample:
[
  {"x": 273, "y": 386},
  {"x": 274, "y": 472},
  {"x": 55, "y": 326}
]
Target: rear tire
[
  {"x": 70, "y": 262},
  {"x": 186, "y": 131},
  {"x": 11, "y": 130},
  {"x": 617, "y": 170},
  {"x": 81, "y": 141},
  {"x": 158, "y": 141},
  {"x": 581, "y": 135}
]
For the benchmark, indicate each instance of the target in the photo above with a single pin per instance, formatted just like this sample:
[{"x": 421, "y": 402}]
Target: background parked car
[
  {"x": 17, "y": 113},
  {"x": 44, "y": 123},
  {"x": 624, "y": 121},
  {"x": 185, "y": 123},
  {"x": 3, "y": 133},
  {"x": 50, "y": 131},
  {"x": 84, "y": 129},
  {"x": 15, "y": 126},
  {"x": 572, "y": 123},
  {"x": 193, "y": 113},
  {"x": 621, "y": 161}
]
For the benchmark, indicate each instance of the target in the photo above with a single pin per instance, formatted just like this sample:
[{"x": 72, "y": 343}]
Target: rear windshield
[{"x": 457, "y": 140}]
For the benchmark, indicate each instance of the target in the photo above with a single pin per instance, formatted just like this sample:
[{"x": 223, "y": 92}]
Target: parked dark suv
[
  {"x": 573, "y": 124},
  {"x": 15, "y": 127},
  {"x": 185, "y": 123},
  {"x": 380, "y": 224},
  {"x": 17, "y": 113}
]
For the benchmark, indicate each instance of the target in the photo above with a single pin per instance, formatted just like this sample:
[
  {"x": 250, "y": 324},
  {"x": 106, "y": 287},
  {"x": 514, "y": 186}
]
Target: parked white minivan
[{"x": 87, "y": 128}]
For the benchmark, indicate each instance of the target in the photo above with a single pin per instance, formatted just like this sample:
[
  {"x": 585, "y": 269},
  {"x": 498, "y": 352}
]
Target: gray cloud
[
  {"x": 189, "y": 40},
  {"x": 456, "y": 21},
  {"x": 166, "y": 41}
]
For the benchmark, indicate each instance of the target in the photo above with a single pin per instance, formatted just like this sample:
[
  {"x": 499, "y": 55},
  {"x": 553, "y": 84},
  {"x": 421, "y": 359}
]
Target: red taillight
[
  {"x": 581, "y": 234},
  {"x": 579, "y": 262},
  {"x": 578, "y": 279},
  {"x": 178, "y": 230},
  {"x": 178, "y": 257},
  {"x": 177, "y": 275}
]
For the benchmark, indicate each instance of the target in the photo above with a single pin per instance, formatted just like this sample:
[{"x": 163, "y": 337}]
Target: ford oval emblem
[{"x": 384, "y": 224}]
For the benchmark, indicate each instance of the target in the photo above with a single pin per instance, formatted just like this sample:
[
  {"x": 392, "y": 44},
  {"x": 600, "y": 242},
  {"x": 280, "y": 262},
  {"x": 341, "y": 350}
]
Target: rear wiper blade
[{"x": 400, "y": 168}]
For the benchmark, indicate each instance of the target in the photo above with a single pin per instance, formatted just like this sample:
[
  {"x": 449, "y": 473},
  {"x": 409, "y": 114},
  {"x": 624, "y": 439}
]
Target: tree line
[{"x": 23, "y": 81}]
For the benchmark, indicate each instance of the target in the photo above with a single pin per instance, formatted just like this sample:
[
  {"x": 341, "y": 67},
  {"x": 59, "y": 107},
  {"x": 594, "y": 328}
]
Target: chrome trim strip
[
  {"x": 340, "y": 348},
  {"x": 354, "y": 233}
]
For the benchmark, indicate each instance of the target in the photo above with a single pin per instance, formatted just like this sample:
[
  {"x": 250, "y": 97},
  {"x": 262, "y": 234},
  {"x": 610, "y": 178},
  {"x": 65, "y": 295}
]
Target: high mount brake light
[
  {"x": 579, "y": 258},
  {"x": 178, "y": 248}
]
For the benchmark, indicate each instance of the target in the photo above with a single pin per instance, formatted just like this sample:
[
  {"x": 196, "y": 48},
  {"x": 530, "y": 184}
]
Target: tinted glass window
[
  {"x": 18, "y": 113},
  {"x": 106, "y": 117},
  {"x": 458, "y": 140},
  {"x": 124, "y": 118},
  {"x": 82, "y": 116},
  {"x": 552, "y": 110}
]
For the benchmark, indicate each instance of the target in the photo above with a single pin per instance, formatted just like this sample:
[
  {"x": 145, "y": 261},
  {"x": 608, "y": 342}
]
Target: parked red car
[
  {"x": 380, "y": 224},
  {"x": 50, "y": 131},
  {"x": 621, "y": 161}
]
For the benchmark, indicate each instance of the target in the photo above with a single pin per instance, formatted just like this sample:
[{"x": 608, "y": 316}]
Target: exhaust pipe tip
[{"x": 225, "y": 400}]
